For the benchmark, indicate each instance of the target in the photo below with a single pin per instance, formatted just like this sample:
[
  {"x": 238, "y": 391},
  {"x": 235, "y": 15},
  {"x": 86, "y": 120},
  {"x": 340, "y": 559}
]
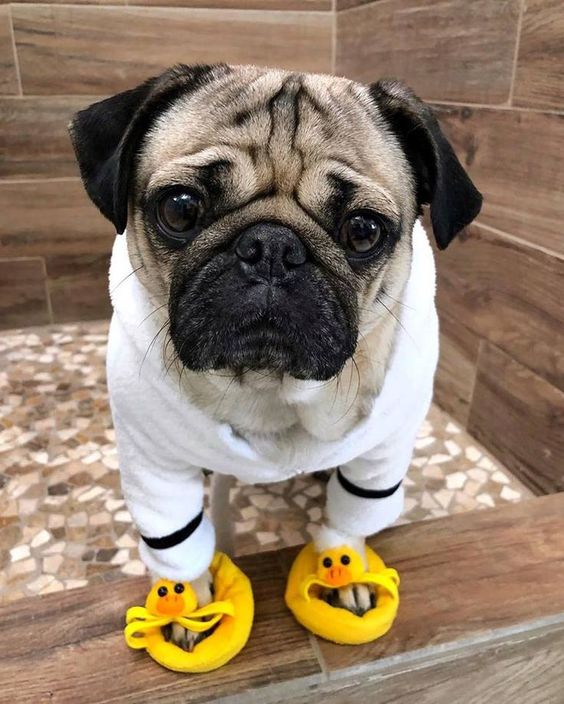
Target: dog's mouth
[{"x": 220, "y": 321}]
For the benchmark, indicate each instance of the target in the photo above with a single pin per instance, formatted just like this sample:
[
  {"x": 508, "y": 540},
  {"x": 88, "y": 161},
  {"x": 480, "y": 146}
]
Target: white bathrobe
[{"x": 164, "y": 441}]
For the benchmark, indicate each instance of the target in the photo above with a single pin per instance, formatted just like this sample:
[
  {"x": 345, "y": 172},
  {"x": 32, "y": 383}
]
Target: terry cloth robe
[{"x": 164, "y": 441}]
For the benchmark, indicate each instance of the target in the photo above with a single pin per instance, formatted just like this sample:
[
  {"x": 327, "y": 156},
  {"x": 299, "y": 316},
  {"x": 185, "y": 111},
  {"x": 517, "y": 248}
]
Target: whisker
[
  {"x": 150, "y": 346},
  {"x": 115, "y": 288},
  {"x": 396, "y": 300},
  {"x": 402, "y": 326},
  {"x": 164, "y": 305}
]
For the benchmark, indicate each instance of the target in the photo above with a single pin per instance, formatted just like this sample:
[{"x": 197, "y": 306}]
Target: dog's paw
[
  {"x": 356, "y": 598},
  {"x": 183, "y": 637}
]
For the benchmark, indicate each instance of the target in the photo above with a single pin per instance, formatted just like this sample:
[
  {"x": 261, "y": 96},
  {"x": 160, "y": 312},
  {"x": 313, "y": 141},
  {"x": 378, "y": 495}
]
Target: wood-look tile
[
  {"x": 78, "y": 286},
  {"x": 83, "y": 627},
  {"x": 54, "y": 219},
  {"x": 527, "y": 666},
  {"x": 34, "y": 140},
  {"x": 454, "y": 381},
  {"x": 8, "y": 74},
  {"x": 519, "y": 417},
  {"x": 93, "y": 50},
  {"x": 515, "y": 159},
  {"x": 509, "y": 294},
  {"x": 51, "y": 218},
  {"x": 539, "y": 78},
  {"x": 464, "y": 576},
  {"x": 454, "y": 50},
  {"x": 23, "y": 294}
]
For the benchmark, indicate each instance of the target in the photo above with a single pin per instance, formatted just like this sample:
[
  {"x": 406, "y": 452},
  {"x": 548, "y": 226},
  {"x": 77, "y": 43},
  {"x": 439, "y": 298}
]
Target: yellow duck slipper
[
  {"x": 230, "y": 615},
  {"x": 334, "y": 568}
]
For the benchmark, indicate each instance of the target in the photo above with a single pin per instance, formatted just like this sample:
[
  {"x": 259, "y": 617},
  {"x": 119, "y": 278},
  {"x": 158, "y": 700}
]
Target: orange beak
[
  {"x": 338, "y": 576},
  {"x": 171, "y": 604}
]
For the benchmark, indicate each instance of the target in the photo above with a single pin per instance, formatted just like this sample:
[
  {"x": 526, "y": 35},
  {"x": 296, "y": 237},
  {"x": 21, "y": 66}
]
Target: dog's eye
[
  {"x": 327, "y": 562},
  {"x": 361, "y": 233},
  {"x": 179, "y": 588},
  {"x": 162, "y": 591},
  {"x": 178, "y": 211}
]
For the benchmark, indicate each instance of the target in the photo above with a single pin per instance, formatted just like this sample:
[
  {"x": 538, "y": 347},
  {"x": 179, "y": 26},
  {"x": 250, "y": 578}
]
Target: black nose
[{"x": 270, "y": 251}]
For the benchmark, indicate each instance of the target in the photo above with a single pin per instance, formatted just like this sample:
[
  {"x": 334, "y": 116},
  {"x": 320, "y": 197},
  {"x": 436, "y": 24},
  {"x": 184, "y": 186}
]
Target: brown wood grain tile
[
  {"x": 515, "y": 159},
  {"x": 50, "y": 218},
  {"x": 539, "y": 78},
  {"x": 54, "y": 219},
  {"x": 454, "y": 381},
  {"x": 8, "y": 74},
  {"x": 78, "y": 286},
  {"x": 509, "y": 294},
  {"x": 34, "y": 141},
  {"x": 519, "y": 417},
  {"x": 93, "y": 50},
  {"x": 80, "y": 648},
  {"x": 527, "y": 666},
  {"x": 454, "y": 50},
  {"x": 23, "y": 293},
  {"x": 465, "y": 576}
]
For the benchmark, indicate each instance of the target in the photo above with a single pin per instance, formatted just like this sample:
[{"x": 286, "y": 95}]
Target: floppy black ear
[
  {"x": 441, "y": 180},
  {"x": 106, "y": 135}
]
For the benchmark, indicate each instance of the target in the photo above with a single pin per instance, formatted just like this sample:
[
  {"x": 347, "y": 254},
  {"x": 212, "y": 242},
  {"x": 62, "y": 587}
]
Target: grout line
[
  {"x": 516, "y": 53},
  {"x": 474, "y": 382},
  {"x": 364, "y": 5},
  {"x": 15, "y": 50},
  {"x": 505, "y": 107},
  {"x": 58, "y": 96},
  {"x": 41, "y": 180},
  {"x": 48, "y": 293},
  {"x": 199, "y": 9},
  {"x": 334, "y": 36},
  {"x": 519, "y": 240},
  {"x": 319, "y": 655}
]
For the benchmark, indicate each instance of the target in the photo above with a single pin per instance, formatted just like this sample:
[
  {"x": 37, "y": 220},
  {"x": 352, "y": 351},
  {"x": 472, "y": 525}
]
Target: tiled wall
[
  {"x": 493, "y": 69},
  {"x": 56, "y": 58}
]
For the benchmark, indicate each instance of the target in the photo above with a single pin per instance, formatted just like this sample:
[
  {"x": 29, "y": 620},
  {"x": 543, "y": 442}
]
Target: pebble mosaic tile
[{"x": 63, "y": 521}]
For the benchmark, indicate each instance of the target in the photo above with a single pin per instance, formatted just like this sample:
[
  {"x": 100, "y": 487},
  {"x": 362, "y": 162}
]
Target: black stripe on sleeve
[
  {"x": 179, "y": 536},
  {"x": 365, "y": 493}
]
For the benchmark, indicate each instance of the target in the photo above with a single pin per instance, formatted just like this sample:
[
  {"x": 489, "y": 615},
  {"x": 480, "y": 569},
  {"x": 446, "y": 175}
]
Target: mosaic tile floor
[{"x": 63, "y": 522}]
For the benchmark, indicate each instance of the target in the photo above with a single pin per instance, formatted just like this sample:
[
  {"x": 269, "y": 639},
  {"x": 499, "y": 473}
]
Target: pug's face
[{"x": 273, "y": 211}]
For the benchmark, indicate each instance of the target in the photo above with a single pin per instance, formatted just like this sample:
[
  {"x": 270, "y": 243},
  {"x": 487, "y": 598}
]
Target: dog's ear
[
  {"x": 441, "y": 180},
  {"x": 106, "y": 135}
]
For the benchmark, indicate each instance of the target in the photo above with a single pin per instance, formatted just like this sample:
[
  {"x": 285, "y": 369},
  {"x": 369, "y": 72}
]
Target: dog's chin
[{"x": 261, "y": 347}]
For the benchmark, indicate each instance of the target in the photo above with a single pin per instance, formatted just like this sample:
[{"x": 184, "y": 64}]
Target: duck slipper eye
[
  {"x": 230, "y": 615},
  {"x": 332, "y": 569}
]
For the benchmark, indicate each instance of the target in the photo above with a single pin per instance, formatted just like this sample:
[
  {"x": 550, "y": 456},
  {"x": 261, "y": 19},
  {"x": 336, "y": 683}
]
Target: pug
[{"x": 273, "y": 295}]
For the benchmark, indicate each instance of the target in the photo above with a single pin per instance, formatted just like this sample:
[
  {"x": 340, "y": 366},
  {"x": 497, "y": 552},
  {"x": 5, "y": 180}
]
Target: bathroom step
[{"x": 481, "y": 620}]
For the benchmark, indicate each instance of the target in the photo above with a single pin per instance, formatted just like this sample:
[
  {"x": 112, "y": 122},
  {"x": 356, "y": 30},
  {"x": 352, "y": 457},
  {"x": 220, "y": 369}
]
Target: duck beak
[{"x": 338, "y": 576}]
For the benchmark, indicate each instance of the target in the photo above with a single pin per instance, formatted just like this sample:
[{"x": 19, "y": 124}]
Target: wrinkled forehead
[{"x": 279, "y": 125}]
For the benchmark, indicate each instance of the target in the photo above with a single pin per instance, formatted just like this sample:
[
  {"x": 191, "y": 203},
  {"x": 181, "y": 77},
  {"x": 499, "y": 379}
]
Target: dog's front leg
[
  {"x": 177, "y": 539},
  {"x": 363, "y": 498}
]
